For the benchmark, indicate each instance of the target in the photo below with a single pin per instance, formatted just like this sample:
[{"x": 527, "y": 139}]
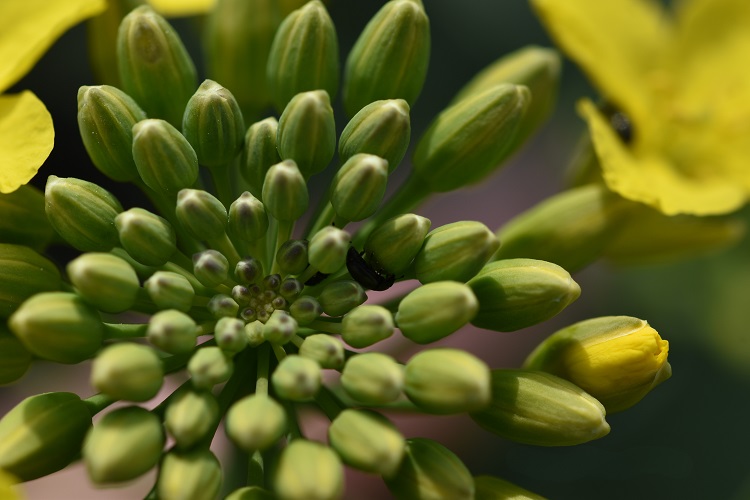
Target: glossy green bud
[
  {"x": 58, "y": 326},
  {"x": 23, "y": 273},
  {"x": 305, "y": 310},
  {"x": 296, "y": 378},
  {"x": 436, "y": 310},
  {"x": 209, "y": 366},
  {"x": 366, "y": 325},
  {"x": 192, "y": 475},
  {"x": 494, "y": 488},
  {"x": 201, "y": 213},
  {"x": 128, "y": 371},
  {"x": 292, "y": 256},
  {"x": 211, "y": 268},
  {"x": 124, "y": 444},
  {"x": 307, "y": 132},
  {"x": 191, "y": 416},
  {"x": 155, "y": 68},
  {"x": 285, "y": 192},
  {"x": 254, "y": 333},
  {"x": 571, "y": 229},
  {"x": 280, "y": 327},
  {"x": 22, "y": 218},
  {"x": 213, "y": 125},
  {"x": 15, "y": 360},
  {"x": 222, "y": 305},
  {"x": 396, "y": 242},
  {"x": 389, "y": 59},
  {"x": 250, "y": 493},
  {"x": 382, "y": 128},
  {"x": 165, "y": 159},
  {"x": 259, "y": 153},
  {"x": 328, "y": 248},
  {"x": 372, "y": 378},
  {"x": 248, "y": 221},
  {"x": 430, "y": 470},
  {"x": 455, "y": 252},
  {"x": 170, "y": 290},
  {"x": 468, "y": 140},
  {"x": 367, "y": 441},
  {"x": 148, "y": 238},
  {"x": 255, "y": 422},
  {"x": 42, "y": 434},
  {"x": 230, "y": 334},
  {"x": 105, "y": 281},
  {"x": 248, "y": 270},
  {"x": 340, "y": 297},
  {"x": 516, "y": 293},
  {"x": 106, "y": 116},
  {"x": 304, "y": 55},
  {"x": 172, "y": 331},
  {"x": 359, "y": 186},
  {"x": 540, "y": 409},
  {"x": 325, "y": 349},
  {"x": 308, "y": 470},
  {"x": 82, "y": 213}
]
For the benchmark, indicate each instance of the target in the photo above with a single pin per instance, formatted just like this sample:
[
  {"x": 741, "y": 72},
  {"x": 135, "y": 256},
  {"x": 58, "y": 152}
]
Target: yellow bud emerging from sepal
[
  {"x": 308, "y": 470},
  {"x": 616, "y": 359}
]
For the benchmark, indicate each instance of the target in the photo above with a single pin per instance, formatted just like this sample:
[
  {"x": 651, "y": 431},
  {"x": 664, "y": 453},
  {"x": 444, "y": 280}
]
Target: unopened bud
[
  {"x": 230, "y": 334},
  {"x": 285, "y": 191},
  {"x": 494, "y": 488},
  {"x": 436, "y": 310},
  {"x": 255, "y": 422},
  {"x": 367, "y": 441},
  {"x": 170, "y": 290},
  {"x": 190, "y": 416},
  {"x": 165, "y": 159},
  {"x": 359, "y": 187},
  {"x": 259, "y": 153},
  {"x": 189, "y": 475},
  {"x": 148, "y": 238},
  {"x": 172, "y": 331},
  {"x": 372, "y": 378},
  {"x": 292, "y": 256},
  {"x": 105, "y": 281},
  {"x": 308, "y": 470},
  {"x": 396, "y": 242},
  {"x": 366, "y": 325},
  {"x": 280, "y": 327},
  {"x": 340, "y": 297},
  {"x": 326, "y": 350},
  {"x": 201, "y": 213},
  {"x": 14, "y": 358},
  {"x": 297, "y": 378},
  {"x": 254, "y": 333},
  {"x": 305, "y": 310},
  {"x": 128, "y": 371},
  {"x": 221, "y": 306},
  {"x": 211, "y": 268},
  {"x": 22, "y": 218},
  {"x": 248, "y": 221},
  {"x": 209, "y": 366},
  {"x": 248, "y": 271},
  {"x": 328, "y": 248},
  {"x": 24, "y": 273}
]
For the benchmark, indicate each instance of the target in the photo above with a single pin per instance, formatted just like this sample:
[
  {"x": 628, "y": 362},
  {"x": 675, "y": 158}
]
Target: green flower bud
[
  {"x": 455, "y": 252},
  {"x": 250, "y": 493},
  {"x": 211, "y": 268},
  {"x": 285, "y": 191},
  {"x": 541, "y": 409},
  {"x": 259, "y": 153},
  {"x": 389, "y": 59},
  {"x": 155, "y": 68},
  {"x": 516, "y": 293},
  {"x": 296, "y": 378},
  {"x": 382, "y": 128},
  {"x": 22, "y": 218},
  {"x": 359, "y": 187},
  {"x": 571, "y": 229},
  {"x": 447, "y": 381},
  {"x": 106, "y": 116},
  {"x": 14, "y": 358},
  {"x": 308, "y": 470},
  {"x": 396, "y": 242},
  {"x": 165, "y": 159},
  {"x": 304, "y": 55},
  {"x": 436, "y": 310},
  {"x": 132, "y": 372},
  {"x": 58, "y": 326},
  {"x": 170, "y": 290},
  {"x": 23, "y": 273},
  {"x": 248, "y": 221},
  {"x": 367, "y": 441},
  {"x": 292, "y": 256},
  {"x": 148, "y": 238},
  {"x": 201, "y": 213},
  {"x": 172, "y": 331},
  {"x": 105, "y": 281},
  {"x": 366, "y": 325},
  {"x": 340, "y": 297},
  {"x": 537, "y": 68},
  {"x": 307, "y": 132},
  {"x": 616, "y": 359},
  {"x": 280, "y": 327},
  {"x": 430, "y": 470},
  {"x": 42, "y": 434},
  {"x": 248, "y": 271},
  {"x": 255, "y": 422},
  {"x": 221, "y": 306},
  {"x": 305, "y": 310},
  {"x": 124, "y": 444},
  {"x": 191, "y": 416},
  {"x": 213, "y": 125},
  {"x": 372, "y": 378},
  {"x": 193, "y": 475},
  {"x": 494, "y": 488},
  {"x": 82, "y": 213},
  {"x": 327, "y": 351},
  {"x": 230, "y": 334},
  {"x": 328, "y": 248},
  {"x": 254, "y": 333},
  {"x": 209, "y": 366},
  {"x": 469, "y": 139}
]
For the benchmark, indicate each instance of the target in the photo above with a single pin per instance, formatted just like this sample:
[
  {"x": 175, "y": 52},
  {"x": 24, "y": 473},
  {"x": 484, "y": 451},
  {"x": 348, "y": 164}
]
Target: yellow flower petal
[
  {"x": 176, "y": 8},
  {"x": 26, "y": 139},
  {"x": 8, "y": 488},
  {"x": 655, "y": 180},
  {"x": 29, "y": 27}
]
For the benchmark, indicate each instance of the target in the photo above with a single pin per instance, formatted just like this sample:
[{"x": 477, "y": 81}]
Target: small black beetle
[{"x": 365, "y": 275}]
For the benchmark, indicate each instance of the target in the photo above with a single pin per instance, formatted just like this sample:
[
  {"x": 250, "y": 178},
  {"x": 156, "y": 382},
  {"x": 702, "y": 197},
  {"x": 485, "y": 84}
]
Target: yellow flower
[
  {"x": 27, "y": 29},
  {"x": 682, "y": 78},
  {"x": 175, "y": 8}
]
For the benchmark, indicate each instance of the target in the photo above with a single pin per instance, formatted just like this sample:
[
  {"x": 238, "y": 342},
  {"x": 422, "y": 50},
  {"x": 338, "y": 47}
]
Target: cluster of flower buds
[{"x": 254, "y": 309}]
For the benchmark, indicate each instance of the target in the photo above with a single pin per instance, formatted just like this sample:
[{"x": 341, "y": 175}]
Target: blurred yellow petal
[
  {"x": 26, "y": 139},
  {"x": 176, "y": 8},
  {"x": 8, "y": 488},
  {"x": 29, "y": 27}
]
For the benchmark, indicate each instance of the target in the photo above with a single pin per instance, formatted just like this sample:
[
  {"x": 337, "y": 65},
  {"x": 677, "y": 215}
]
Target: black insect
[
  {"x": 364, "y": 274},
  {"x": 316, "y": 278},
  {"x": 619, "y": 121}
]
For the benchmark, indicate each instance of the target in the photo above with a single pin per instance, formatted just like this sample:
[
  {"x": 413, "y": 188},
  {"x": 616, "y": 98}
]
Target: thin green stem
[
  {"x": 223, "y": 183},
  {"x": 98, "y": 402},
  {"x": 255, "y": 470},
  {"x": 326, "y": 326},
  {"x": 224, "y": 245},
  {"x": 324, "y": 218},
  {"x": 114, "y": 331},
  {"x": 329, "y": 403},
  {"x": 283, "y": 234}
]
